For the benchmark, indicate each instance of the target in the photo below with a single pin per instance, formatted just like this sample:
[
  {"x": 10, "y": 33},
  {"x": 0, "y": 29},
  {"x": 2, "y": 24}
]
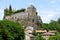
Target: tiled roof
[
  {"x": 52, "y": 31},
  {"x": 42, "y": 31},
  {"x": 48, "y": 34}
]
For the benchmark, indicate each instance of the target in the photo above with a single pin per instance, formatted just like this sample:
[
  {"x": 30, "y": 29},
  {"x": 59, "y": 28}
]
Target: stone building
[
  {"x": 46, "y": 34},
  {"x": 27, "y": 18},
  {"x": 28, "y": 32}
]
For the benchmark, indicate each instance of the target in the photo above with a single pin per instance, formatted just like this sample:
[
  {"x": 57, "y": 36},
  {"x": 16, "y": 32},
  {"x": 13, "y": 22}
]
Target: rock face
[{"x": 27, "y": 18}]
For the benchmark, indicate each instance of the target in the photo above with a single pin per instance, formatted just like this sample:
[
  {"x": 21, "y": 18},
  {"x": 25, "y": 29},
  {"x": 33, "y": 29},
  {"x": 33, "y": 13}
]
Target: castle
[
  {"x": 30, "y": 21},
  {"x": 29, "y": 17}
]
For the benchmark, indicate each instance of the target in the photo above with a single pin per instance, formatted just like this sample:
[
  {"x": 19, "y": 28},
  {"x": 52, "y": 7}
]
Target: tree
[
  {"x": 10, "y": 30},
  {"x": 52, "y": 25},
  {"x": 56, "y": 37},
  {"x": 45, "y": 26},
  {"x": 20, "y": 10},
  {"x": 52, "y": 38},
  {"x": 10, "y": 10},
  {"x": 5, "y": 12},
  {"x": 39, "y": 37},
  {"x": 58, "y": 20}
]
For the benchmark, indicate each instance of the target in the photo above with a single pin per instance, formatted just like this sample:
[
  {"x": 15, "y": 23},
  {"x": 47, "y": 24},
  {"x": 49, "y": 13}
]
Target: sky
[{"x": 47, "y": 9}]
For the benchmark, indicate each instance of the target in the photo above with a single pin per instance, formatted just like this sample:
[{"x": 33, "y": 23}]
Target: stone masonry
[{"x": 27, "y": 18}]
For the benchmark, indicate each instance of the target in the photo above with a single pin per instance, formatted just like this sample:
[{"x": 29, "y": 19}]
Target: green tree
[
  {"x": 52, "y": 38},
  {"x": 58, "y": 20},
  {"x": 39, "y": 37},
  {"x": 20, "y": 10},
  {"x": 56, "y": 37},
  {"x": 10, "y": 10},
  {"x": 10, "y": 30},
  {"x": 45, "y": 26}
]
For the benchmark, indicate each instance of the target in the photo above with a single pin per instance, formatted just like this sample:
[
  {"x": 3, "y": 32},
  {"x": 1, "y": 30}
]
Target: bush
[
  {"x": 39, "y": 37},
  {"x": 56, "y": 37},
  {"x": 11, "y": 30}
]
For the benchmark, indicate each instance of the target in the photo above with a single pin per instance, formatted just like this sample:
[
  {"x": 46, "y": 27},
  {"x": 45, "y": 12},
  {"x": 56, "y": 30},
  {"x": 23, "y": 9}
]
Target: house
[
  {"x": 28, "y": 32},
  {"x": 46, "y": 34}
]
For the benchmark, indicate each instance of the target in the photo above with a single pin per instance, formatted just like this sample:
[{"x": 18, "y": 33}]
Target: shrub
[{"x": 11, "y": 30}]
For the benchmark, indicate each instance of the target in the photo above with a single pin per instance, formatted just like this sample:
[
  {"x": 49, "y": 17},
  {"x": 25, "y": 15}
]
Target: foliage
[
  {"x": 58, "y": 20},
  {"x": 11, "y": 30},
  {"x": 10, "y": 11},
  {"x": 45, "y": 26},
  {"x": 53, "y": 25},
  {"x": 34, "y": 33},
  {"x": 56, "y": 37},
  {"x": 52, "y": 38},
  {"x": 39, "y": 37},
  {"x": 21, "y": 10}
]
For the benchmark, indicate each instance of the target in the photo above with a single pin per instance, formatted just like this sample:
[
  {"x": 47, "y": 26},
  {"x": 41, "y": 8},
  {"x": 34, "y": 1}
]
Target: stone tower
[
  {"x": 33, "y": 17},
  {"x": 31, "y": 11}
]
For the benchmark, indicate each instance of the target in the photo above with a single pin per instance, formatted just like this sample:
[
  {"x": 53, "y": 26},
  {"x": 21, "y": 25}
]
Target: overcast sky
[{"x": 47, "y": 9}]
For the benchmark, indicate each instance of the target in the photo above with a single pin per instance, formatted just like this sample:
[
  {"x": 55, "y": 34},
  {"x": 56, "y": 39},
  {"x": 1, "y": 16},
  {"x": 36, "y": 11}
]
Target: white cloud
[
  {"x": 53, "y": 1},
  {"x": 47, "y": 15},
  {"x": 1, "y": 14}
]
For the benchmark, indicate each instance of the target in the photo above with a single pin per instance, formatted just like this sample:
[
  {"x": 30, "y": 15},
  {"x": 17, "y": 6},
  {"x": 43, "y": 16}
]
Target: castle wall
[
  {"x": 26, "y": 18},
  {"x": 21, "y": 15}
]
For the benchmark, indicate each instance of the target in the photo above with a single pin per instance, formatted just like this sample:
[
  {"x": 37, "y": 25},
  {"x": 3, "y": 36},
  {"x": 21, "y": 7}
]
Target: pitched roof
[
  {"x": 52, "y": 31},
  {"x": 42, "y": 31}
]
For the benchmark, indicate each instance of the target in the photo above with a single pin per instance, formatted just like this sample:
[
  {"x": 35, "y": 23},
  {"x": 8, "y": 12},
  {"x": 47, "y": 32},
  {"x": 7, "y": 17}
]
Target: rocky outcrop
[{"x": 27, "y": 18}]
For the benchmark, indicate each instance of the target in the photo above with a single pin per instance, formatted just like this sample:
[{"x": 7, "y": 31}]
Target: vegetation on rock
[{"x": 10, "y": 11}]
